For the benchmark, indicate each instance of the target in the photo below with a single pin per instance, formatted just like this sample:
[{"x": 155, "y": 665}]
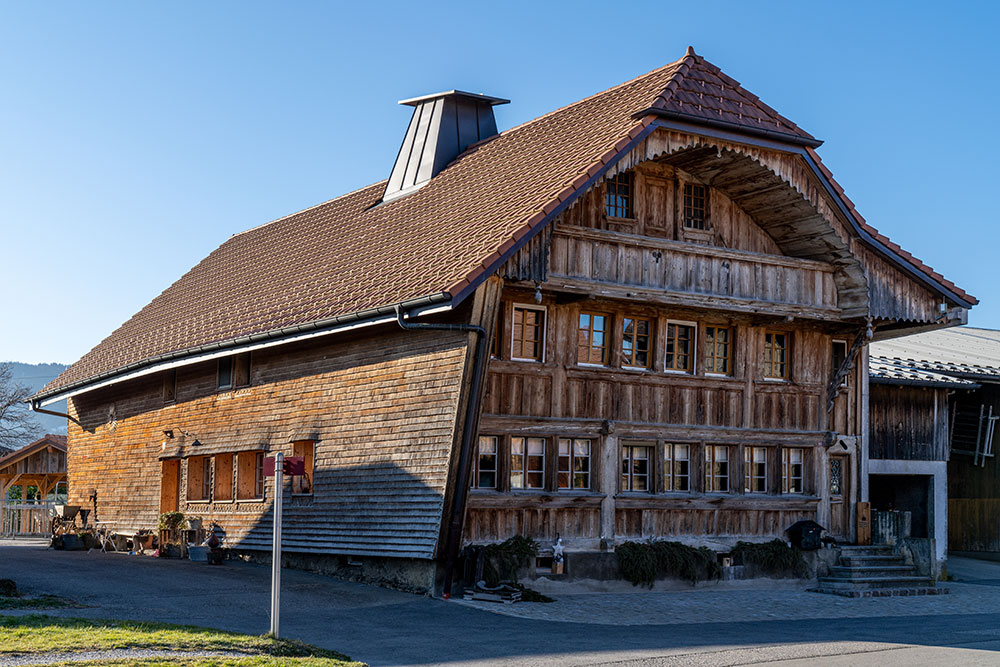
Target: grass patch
[
  {"x": 36, "y": 602},
  {"x": 248, "y": 661},
  {"x": 44, "y": 634}
]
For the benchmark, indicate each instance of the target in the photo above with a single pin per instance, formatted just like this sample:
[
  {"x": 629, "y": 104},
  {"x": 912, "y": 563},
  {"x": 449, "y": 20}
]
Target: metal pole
[{"x": 279, "y": 461}]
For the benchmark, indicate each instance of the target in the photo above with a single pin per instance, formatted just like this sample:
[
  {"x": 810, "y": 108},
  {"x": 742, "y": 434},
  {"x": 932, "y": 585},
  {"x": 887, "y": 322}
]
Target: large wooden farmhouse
[{"x": 643, "y": 315}]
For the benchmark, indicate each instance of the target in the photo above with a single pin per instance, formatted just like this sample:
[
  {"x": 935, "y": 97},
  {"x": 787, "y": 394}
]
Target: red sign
[{"x": 293, "y": 465}]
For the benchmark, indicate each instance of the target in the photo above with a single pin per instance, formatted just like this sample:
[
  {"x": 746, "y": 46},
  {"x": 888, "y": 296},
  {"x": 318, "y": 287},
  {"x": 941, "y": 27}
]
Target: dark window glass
[
  {"x": 695, "y": 205},
  {"x": 620, "y": 189}
]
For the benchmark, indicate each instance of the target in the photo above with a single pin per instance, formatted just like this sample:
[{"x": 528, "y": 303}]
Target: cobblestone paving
[{"x": 678, "y": 607}]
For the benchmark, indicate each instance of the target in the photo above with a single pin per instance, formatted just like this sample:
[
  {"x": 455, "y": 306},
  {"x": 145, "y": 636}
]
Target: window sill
[
  {"x": 198, "y": 501},
  {"x": 671, "y": 371},
  {"x": 250, "y": 500},
  {"x": 637, "y": 368},
  {"x": 530, "y": 361},
  {"x": 781, "y": 380}
]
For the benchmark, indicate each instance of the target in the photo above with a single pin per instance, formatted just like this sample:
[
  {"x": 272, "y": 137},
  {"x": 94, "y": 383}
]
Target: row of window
[
  {"x": 223, "y": 477},
  {"x": 233, "y": 372},
  {"x": 596, "y": 335},
  {"x": 620, "y": 195},
  {"x": 526, "y": 468}
]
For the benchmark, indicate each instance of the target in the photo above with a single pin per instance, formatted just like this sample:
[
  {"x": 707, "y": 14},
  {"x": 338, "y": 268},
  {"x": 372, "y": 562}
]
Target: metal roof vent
[{"x": 443, "y": 125}]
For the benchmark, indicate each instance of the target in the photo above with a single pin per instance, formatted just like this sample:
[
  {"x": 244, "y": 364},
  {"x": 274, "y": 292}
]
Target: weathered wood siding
[
  {"x": 908, "y": 423},
  {"x": 381, "y": 409},
  {"x": 974, "y": 487}
]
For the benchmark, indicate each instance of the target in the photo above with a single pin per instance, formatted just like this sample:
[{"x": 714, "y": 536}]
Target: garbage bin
[{"x": 805, "y": 534}]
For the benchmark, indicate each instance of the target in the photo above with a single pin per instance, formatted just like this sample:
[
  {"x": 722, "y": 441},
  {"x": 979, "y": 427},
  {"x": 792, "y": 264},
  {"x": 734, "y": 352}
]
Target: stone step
[
  {"x": 862, "y": 583},
  {"x": 869, "y": 571},
  {"x": 881, "y": 592},
  {"x": 868, "y": 550},
  {"x": 872, "y": 561}
]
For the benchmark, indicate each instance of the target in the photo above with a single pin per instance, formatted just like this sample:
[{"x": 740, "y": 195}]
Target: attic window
[
  {"x": 618, "y": 203},
  {"x": 695, "y": 206}
]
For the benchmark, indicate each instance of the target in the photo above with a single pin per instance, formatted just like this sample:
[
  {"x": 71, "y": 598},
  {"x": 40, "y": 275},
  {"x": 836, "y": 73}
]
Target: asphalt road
[{"x": 390, "y": 628}]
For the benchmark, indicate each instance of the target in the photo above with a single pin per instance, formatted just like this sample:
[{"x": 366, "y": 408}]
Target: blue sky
[{"x": 136, "y": 137}]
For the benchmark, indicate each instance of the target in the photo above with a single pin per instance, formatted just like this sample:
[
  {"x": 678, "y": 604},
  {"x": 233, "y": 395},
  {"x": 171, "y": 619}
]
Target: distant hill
[{"x": 37, "y": 376}]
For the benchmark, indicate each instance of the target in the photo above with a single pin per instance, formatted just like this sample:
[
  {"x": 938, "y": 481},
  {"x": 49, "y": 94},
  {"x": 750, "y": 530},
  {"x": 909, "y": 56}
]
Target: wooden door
[
  {"x": 170, "y": 482},
  {"x": 840, "y": 492}
]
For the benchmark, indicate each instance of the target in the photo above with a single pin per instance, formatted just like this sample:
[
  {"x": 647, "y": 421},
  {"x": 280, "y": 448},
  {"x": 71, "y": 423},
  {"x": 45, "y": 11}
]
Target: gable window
[
  {"x": 199, "y": 470},
  {"x": 485, "y": 474},
  {"x": 635, "y": 342},
  {"x": 680, "y": 345},
  {"x": 695, "y": 206},
  {"x": 718, "y": 350},
  {"x": 574, "y": 463},
  {"x": 717, "y": 469},
  {"x": 755, "y": 469},
  {"x": 527, "y": 463},
  {"x": 677, "y": 460},
  {"x": 592, "y": 339},
  {"x": 776, "y": 355},
  {"x": 234, "y": 371},
  {"x": 250, "y": 476},
  {"x": 620, "y": 190},
  {"x": 792, "y": 465},
  {"x": 636, "y": 464},
  {"x": 223, "y": 477},
  {"x": 528, "y": 334},
  {"x": 225, "y": 376},
  {"x": 302, "y": 485},
  {"x": 170, "y": 386}
]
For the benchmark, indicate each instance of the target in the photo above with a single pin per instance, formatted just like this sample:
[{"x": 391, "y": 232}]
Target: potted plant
[
  {"x": 171, "y": 520},
  {"x": 194, "y": 523}
]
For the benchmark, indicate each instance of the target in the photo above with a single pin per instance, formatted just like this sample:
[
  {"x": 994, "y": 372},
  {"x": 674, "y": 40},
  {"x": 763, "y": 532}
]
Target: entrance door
[
  {"x": 840, "y": 494},
  {"x": 170, "y": 482}
]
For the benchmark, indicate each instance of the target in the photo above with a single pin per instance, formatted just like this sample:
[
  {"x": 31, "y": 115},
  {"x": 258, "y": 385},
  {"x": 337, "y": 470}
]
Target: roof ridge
[{"x": 600, "y": 93}]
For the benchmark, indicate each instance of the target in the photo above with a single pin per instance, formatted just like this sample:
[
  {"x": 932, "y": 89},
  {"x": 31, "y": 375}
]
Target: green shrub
[
  {"x": 774, "y": 557},
  {"x": 644, "y": 562},
  {"x": 171, "y": 520},
  {"x": 502, "y": 560}
]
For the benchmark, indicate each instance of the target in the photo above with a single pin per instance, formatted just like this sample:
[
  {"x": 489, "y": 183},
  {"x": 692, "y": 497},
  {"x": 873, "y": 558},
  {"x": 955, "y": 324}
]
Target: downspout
[
  {"x": 35, "y": 407},
  {"x": 465, "y": 455}
]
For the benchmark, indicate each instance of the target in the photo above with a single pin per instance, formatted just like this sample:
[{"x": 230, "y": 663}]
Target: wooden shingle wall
[{"x": 381, "y": 409}]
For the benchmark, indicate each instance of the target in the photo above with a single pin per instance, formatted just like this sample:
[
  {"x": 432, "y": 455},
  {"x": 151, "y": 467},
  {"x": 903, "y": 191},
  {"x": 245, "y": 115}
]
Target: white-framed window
[
  {"x": 680, "y": 346},
  {"x": 792, "y": 469},
  {"x": 485, "y": 474},
  {"x": 527, "y": 333},
  {"x": 717, "y": 469},
  {"x": 755, "y": 469},
  {"x": 776, "y": 349},
  {"x": 574, "y": 463},
  {"x": 592, "y": 338},
  {"x": 676, "y": 467},
  {"x": 527, "y": 463},
  {"x": 637, "y": 338},
  {"x": 637, "y": 467}
]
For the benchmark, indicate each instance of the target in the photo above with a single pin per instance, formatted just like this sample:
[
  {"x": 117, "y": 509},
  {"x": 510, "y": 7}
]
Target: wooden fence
[{"x": 25, "y": 519}]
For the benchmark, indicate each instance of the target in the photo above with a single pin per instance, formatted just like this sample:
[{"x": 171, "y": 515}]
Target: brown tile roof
[
  {"x": 57, "y": 441},
  {"x": 348, "y": 255}
]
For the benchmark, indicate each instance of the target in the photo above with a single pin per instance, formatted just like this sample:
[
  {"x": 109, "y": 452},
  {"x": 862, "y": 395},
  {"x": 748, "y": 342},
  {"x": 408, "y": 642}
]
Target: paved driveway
[{"x": 386, "y": 627}]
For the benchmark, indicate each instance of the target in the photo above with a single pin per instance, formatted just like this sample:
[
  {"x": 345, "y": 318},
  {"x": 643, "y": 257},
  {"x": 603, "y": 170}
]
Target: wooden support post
[{"x": 610, "y": 466}]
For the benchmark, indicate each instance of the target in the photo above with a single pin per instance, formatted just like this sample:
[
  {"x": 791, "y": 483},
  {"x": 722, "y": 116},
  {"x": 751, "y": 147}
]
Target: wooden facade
[{"x": 677, "y": 349}]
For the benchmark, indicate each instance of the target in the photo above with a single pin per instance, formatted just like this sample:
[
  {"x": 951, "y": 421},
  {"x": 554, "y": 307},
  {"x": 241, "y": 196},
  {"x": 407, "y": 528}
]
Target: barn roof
[
  {"x": 49, "y": 440},
  {"x": 962, "y": 352},
  {"x": 885, "y": 370},
  {"x": 353, "y": 257}
]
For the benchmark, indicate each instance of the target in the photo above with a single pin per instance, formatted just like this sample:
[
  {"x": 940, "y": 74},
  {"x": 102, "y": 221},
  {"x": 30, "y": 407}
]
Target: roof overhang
[
  {"x": 783, "y": 143},
  {"x": 426, "y": 305}
]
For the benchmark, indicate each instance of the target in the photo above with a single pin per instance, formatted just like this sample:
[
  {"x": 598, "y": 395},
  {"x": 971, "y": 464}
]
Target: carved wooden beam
[{"x": 860, "y": 340}]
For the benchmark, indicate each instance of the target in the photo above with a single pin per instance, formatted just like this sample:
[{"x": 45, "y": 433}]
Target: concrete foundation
[{"x": 403, "y": 574}]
